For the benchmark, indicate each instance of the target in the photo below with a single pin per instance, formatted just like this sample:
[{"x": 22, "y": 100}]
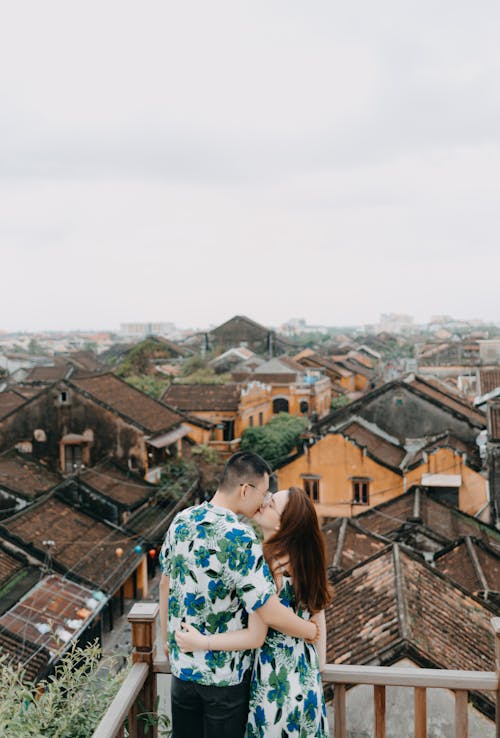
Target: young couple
[{"x": 223, "y": 595}]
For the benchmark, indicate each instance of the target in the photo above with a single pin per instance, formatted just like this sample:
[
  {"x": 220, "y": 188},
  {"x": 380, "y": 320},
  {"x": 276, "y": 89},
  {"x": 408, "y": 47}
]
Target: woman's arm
[
  {"x": 319, "y": 617},
  {"x": 190, "y": 639}
]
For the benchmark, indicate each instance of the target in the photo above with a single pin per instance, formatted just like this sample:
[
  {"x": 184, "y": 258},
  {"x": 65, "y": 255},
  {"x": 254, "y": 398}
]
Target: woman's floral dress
[{"x": 286, "y": 695}]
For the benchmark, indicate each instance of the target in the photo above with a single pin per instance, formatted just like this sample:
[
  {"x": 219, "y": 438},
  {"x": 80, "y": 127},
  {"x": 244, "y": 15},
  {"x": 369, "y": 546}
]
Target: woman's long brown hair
[{"x": 299, "y": 540}]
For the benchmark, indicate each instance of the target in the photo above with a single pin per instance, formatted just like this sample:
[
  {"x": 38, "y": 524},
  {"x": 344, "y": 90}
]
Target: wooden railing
[{"x": 138, "y": 692}]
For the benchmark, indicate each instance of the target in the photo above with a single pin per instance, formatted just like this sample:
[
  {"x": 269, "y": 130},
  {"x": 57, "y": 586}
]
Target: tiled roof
[
  {"x": 9, "y": 400},
  {"x": 83, "y": 545},
  {"x": 24, "y": 476},
  {"x": 20, "y": 651},
  {"x": 494, "y": 421},
  {"x": 265, "y": 377},
  {"x": 489, "y": 379},
  {"x": 51, "y": 604},
  {"x": 203, "y": 397},
  {"x": 10, "y": 565},
  {"x": 133, "y": 405},
  {"x": 447, "y": 440},
  {"x": 445, "y": 521},
  {"x": 381, "y": 449},
  {"x": 471, "y": 564},
  {"x": 49, "y": 374},
  {"x": 117, "y": 484},
  {"x": 347, "y": 544},
  {"x": 394, "y": 605},
  {"x": 436, "y": 391}
]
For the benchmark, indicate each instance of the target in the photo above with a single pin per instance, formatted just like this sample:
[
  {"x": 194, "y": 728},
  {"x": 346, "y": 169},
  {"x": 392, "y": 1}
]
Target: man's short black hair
[{"x": 243, "y": 466}]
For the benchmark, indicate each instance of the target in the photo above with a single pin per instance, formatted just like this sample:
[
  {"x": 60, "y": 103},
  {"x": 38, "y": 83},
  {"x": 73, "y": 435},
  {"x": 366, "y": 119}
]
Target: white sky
[{"x": 188, "y": 161}]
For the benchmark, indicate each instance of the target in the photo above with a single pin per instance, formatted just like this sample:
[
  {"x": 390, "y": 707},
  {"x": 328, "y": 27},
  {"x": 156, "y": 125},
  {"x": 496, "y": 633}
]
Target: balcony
[{"x": 140, "y": 687}]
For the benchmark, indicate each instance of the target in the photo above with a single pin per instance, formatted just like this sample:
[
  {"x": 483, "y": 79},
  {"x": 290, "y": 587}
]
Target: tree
[{"x": 275, "y": 440}]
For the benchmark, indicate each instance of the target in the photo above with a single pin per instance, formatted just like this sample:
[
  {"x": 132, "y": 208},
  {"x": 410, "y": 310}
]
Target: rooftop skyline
[{"x": 188, "y": 162}]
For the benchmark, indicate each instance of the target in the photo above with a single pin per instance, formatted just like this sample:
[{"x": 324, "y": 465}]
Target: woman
[{"x": 286, "y": 695}]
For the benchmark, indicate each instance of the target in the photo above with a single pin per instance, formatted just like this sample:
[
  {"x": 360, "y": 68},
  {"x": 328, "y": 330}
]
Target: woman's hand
[{"x": 190, "y": 639}]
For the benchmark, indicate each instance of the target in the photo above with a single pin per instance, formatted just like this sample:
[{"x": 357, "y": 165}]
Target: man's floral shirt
[{"x": 217, "y": 575}]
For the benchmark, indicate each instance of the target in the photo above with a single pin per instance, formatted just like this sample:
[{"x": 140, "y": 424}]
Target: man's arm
[
  {"x": 164, "y": 595},
  {"x": 282, "y": 618}
]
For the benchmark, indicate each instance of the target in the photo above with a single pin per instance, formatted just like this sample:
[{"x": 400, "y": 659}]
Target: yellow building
[{"x": 360, "y": 466}]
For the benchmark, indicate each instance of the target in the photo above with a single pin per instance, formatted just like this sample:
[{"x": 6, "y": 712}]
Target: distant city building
[
  {"x": 146, "y": 329},
  {"x": 395, "y": 323}
]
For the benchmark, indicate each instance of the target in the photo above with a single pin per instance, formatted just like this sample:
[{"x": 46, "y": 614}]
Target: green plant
[
  {"x": 275, "y": 440},
  {"x": 155, "y": 718},
  {"x": 68, "y": 704}
]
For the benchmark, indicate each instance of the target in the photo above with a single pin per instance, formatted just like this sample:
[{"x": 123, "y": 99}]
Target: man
[{"x": 214, "y": 573}]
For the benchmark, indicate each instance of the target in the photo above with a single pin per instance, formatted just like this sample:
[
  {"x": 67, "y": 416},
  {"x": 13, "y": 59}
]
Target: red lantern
[
  {"x": 152, "y": 553},
  {"x": 119, "y": 552}
]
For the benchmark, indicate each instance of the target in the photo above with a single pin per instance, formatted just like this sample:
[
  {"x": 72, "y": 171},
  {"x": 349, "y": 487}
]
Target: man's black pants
[{"x": 201, "y": 711}]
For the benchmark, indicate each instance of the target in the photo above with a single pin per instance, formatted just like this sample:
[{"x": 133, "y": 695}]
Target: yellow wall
[
  {"x": 472, "y": 494},
  {"x": 336, "y": 460}
]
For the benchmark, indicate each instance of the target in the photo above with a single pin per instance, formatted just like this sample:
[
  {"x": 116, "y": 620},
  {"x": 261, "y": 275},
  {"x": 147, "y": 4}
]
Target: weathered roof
[
  {"x": 415, "y": 506},
  {"x": 82, "y": 545},
  {"x": 49, "y": 374},
  {"x": 435, "y": 390},
  {"x": 395, "y": 605},
  {"x": 347, "y": 544},
  {"x": 203, "y": 397},
  {"x": 117, "y": 484},
  {"x": 22, "y": 652},
  {"x": 489, "y": 379},
  {"x": 494, "y": 421},
  {"x": 472, "y": 564},
  {"x": 24, "y": 476},
  {"x": 132, "y": 404},
  {"x": 381, "y": 449},
  {"x": 9, "y": 401},
  {"x": 52, "y": 613}
]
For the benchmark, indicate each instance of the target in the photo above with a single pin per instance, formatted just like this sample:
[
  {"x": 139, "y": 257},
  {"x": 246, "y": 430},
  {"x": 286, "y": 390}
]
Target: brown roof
[
  {"x": 132, "y": 404},
  {"x": 24, "y": 476},
  {"x": 347, "y": 544},
  {"x": 49, "y": 374},
  {"x": 489, "y": 379},
  {"x": 445, "y": 521},
  {"x": 447, "y": 440},
  {"x": 82, "y": 545},
  {"x": 381, "y": 449},
  {"x": 394, "y": 605},
  {"x": 436, "y": 391},
  {"x": 117, "y": 484},
  {"x": 9, "y": 566},
  {"x": 494, "y": 421},
  {"x": 203, "y": 397},
  {"x": 265, "y": 377},
  {"x": 21, "y": 652},
  {"x": 51, "y": 604},
  {"x": 9, "y": 401},
  {"x": 471, "y": 564}
]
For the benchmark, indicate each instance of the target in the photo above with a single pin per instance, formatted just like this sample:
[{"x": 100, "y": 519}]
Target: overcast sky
[{"x": 188, "y": 161}]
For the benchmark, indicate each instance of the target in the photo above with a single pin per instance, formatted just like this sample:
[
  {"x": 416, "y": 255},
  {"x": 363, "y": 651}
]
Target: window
[
  {"x": 261, "y": 418},
  {"x": 250, "y": 421},
  {"x": 280, "y": 405},
  {"x": 311, "y": 487},
  {"x": 360, "y": 491},
  {"x": 304, "y": 406},
  {"x": 63, "y": 397}
]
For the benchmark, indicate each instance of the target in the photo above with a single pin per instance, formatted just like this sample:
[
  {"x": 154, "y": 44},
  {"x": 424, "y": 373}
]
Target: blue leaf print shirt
[{"x": 217, "y": 575}]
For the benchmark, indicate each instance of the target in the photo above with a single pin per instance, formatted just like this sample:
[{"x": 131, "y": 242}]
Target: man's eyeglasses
[{"x": 268, "y": 496}]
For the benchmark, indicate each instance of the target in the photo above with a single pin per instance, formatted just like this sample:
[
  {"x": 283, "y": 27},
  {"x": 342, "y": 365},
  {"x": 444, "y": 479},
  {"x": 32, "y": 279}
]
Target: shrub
[{"x": 68, "y": 704}]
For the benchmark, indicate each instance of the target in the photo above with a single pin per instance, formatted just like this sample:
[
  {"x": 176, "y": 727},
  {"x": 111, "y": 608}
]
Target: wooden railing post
[
  {"x": 495, "y": 623},
  {"x": 142, "y": 617},
  {"x": 379, "y": 710},
  {"x": 420, "y": 709}
]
